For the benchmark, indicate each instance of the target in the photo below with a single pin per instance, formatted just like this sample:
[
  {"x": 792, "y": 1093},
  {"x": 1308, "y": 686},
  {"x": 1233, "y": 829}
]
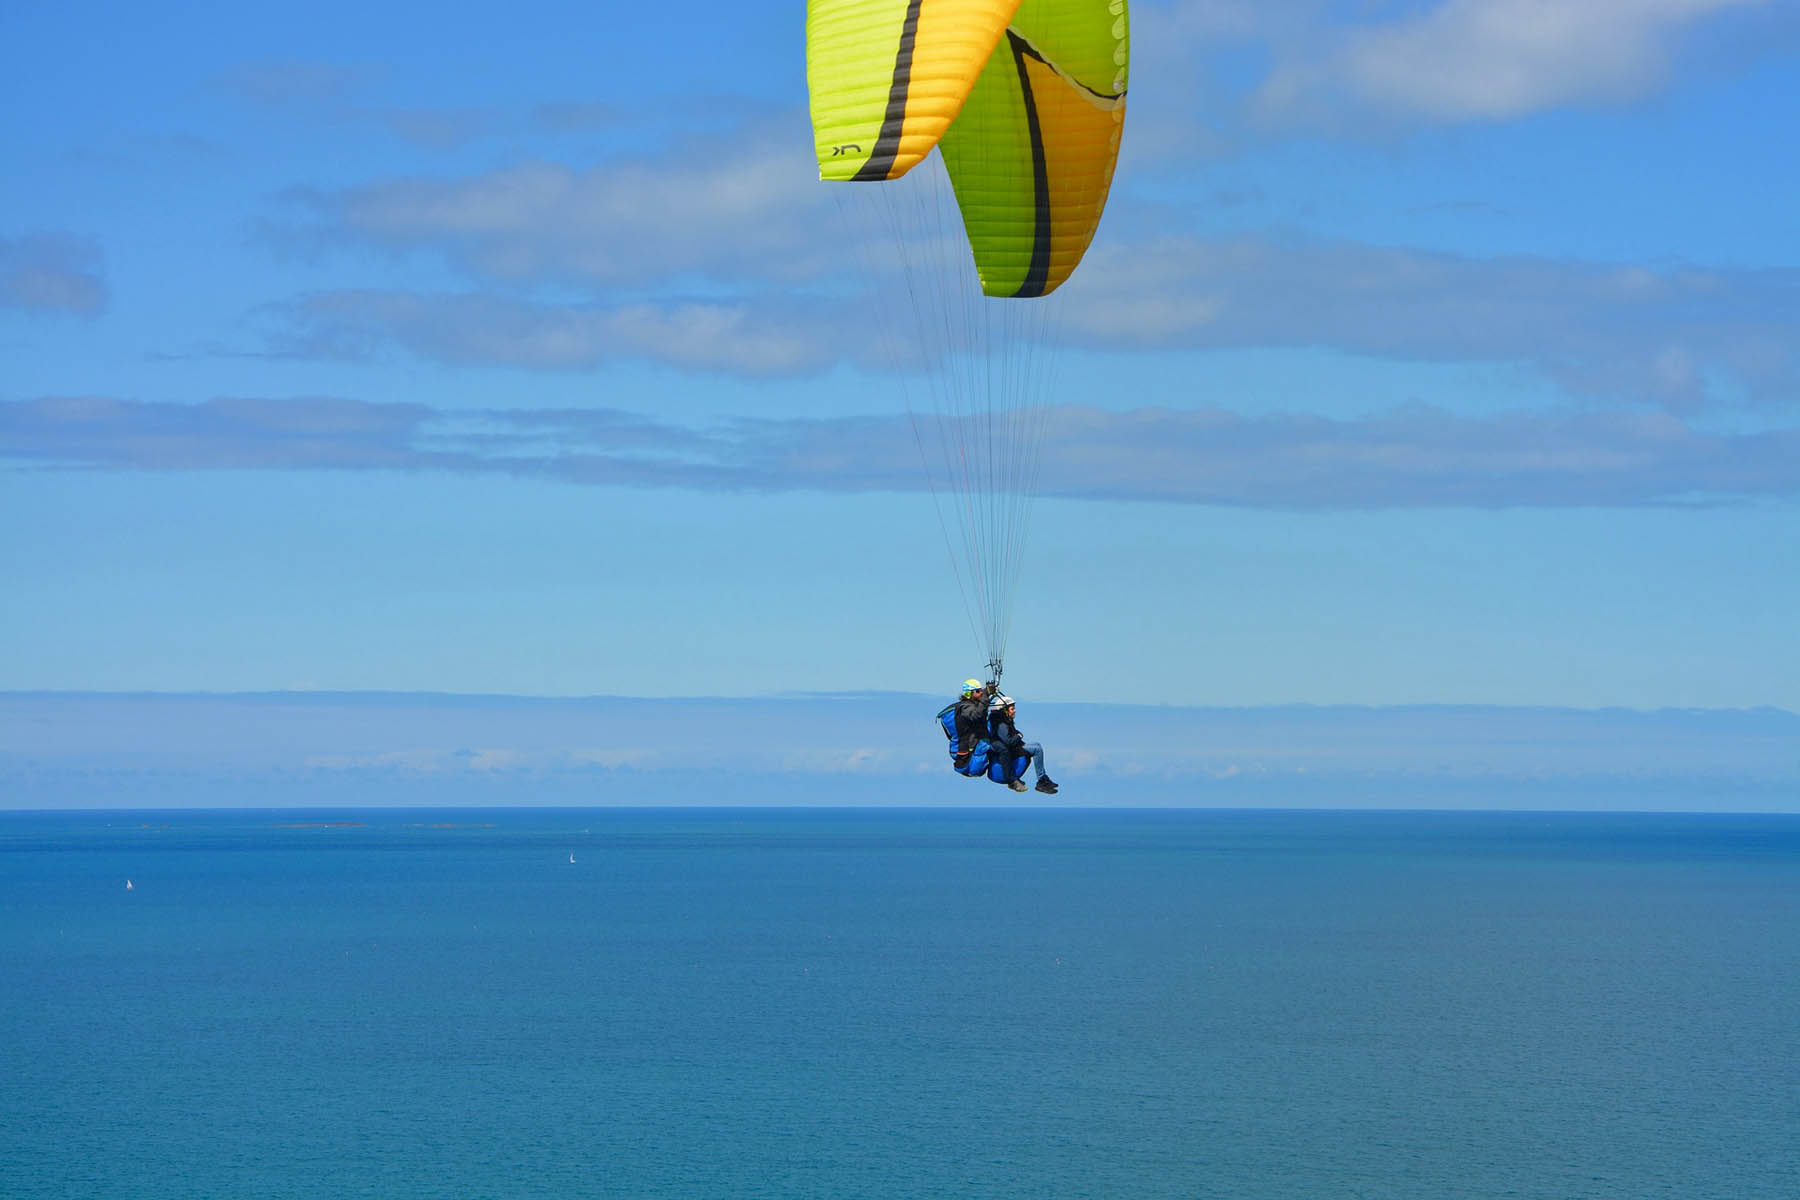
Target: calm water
[{"x": 899, "y": 1003}]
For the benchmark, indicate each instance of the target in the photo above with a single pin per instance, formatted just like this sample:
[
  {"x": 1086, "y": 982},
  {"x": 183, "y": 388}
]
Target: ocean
[{"x": 898, "y": 1003}]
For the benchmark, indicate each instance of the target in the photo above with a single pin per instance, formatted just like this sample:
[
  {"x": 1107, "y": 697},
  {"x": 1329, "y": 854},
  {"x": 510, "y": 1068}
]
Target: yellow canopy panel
[{"x": 888, "y": 76}]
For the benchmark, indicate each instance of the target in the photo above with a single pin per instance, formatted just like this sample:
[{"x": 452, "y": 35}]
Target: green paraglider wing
[{"x": 1031, "y": 154}]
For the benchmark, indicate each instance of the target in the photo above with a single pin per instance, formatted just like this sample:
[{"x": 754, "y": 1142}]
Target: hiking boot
[
  {"x": 1018, "y": 785},
  {"x": 1047, "y": 786}
]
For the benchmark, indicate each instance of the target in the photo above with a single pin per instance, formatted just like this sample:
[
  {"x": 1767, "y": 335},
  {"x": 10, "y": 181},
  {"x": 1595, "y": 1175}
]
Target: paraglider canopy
[{"x": 1025, "y": 100}]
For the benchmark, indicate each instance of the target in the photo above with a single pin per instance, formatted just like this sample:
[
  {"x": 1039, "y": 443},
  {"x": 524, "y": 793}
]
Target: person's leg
[{"x": 1037, "y": 757}]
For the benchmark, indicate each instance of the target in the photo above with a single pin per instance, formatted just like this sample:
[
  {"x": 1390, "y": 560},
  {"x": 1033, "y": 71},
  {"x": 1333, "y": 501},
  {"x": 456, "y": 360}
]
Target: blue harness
[{"x": 982, "y": 760}]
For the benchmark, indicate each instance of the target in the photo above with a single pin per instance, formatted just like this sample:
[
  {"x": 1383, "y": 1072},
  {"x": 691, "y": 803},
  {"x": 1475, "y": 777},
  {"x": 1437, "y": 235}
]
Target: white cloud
[
  {"x": 1208, "y": 72},
  {"x": 779, "y": 338},
  {"x": 1411, "y": 457},
  {"x": 1656, "y": 337},
  {"x": 722, "y": 207},
  {"x": 1467, "y": 60},
  {"x": 718, "y": 257}
]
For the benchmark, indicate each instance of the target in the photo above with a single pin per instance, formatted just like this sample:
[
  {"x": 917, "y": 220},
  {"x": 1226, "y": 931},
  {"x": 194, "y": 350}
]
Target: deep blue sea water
[{"x": 899, "y": 1003}]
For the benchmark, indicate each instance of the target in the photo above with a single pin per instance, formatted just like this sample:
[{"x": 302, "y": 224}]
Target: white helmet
[{"x": 1001, "y": 700}]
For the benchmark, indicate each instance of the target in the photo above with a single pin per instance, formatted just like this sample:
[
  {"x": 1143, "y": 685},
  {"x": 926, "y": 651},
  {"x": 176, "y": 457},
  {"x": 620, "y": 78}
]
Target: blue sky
[{"x": 1429, "y": 353}]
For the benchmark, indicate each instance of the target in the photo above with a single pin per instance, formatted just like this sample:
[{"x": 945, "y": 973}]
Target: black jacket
[
  {"x": 971, "y": 723},
  {"x": 1005, "y": 735}
]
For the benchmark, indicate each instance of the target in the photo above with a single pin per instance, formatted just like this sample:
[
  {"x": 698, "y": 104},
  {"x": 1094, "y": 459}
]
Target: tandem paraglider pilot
[
  {"x": 984, "y": 739},
  {"x": 971, "y": 722}
]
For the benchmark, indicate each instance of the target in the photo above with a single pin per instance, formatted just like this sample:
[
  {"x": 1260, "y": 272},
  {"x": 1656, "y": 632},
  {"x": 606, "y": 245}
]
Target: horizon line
[{"x": 857, "y": 694}]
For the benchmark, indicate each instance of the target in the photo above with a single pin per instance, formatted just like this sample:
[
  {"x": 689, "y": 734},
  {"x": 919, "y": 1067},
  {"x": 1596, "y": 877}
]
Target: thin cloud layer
[
  {"x": 1664, "y": 337},
  {"x": 52, "y": 273},
  {"x": 1419, "y": 457},
  {"x": 1681, "y": 339},
  {"x": 1415, "y": 457},
  {"x": 1499, "y": 59},
  {"x": 329, "y": 90},
  {"x": 746, "y": 205},
  {"x": 780, "y": 338},
  {"x": 1441, "y": 62}
]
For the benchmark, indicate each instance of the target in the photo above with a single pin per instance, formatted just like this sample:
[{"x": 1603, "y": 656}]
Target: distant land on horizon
[{"x": 355, "y": 749}]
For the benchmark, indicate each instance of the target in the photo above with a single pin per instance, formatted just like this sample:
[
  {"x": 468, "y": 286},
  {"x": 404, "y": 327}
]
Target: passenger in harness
[{"x": 1009, "y": 750}]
